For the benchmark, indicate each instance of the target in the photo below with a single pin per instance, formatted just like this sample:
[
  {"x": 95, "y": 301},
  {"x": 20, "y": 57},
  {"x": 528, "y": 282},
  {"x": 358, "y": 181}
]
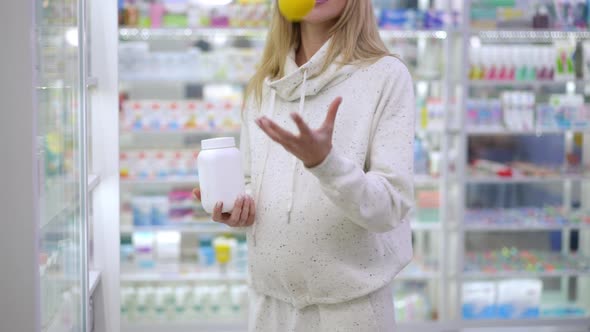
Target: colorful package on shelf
[
  {"x": 514, "y": 260},
  {"x": 427, "y": 205},
  {"x": 150, "y": 210},
  {"x": 519, "y": 298},
  {"x": 409, "y": 19},
  {"x": 484, "y": 113},
  {"x": 586, "y": 60},
  {"x": 506, "y": 299},
  {"x": 513, "y": 63},
  {"x": 529, "y": 169},
  {"x": 518, "y": 110},
  {"x": 479, "y": 300},
  {"x": 137, "y": 63},
  {"x": 412, "y": 306},
  {"x": 170, "y": 116},
  {"x": 151, "y": 165},
  {"x": 431, "y": 114},
  {"x": 489, "y": 167},
  {"x": 163, "y": 303},
  {"x": 565, "y": 68},
  {"x": 144, "y": 250},
  {"x": 570, "y": 112},
  {"x": 548, "y": 216},
  {"x": 544, "y": 14},
  {"x": 398, "y": 19}
]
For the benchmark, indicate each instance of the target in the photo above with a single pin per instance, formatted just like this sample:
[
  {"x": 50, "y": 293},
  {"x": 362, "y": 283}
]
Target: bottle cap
[{"x": 218, "y": 143}]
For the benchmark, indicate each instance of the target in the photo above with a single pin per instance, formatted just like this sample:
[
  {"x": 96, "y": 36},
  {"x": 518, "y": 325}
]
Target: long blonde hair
[{"x": 355, "y": 38}]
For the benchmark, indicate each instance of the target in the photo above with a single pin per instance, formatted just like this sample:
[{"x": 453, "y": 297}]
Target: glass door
[{"x": 61, "y": 156}]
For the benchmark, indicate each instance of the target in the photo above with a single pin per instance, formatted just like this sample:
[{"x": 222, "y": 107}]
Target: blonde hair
[{"x": 355, "y": 38}]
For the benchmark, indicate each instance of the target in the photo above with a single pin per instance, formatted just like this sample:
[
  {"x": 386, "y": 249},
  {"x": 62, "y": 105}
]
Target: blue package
[
  {"x": 471, "y": 311},
  {"x": 394, "y": 18}
]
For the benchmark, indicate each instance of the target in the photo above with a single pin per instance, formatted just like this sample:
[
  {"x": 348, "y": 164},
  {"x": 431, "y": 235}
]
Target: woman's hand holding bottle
[{"x": 242, "y": 215}]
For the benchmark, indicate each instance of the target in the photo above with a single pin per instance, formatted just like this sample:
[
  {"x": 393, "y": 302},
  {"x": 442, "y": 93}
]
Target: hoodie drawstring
[
  {"x": 301, "y": 108},
  {"x": 269, "y": 113}
]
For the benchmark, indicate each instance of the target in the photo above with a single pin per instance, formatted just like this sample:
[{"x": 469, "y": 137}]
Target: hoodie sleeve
[{"x": 380, "y": 198}]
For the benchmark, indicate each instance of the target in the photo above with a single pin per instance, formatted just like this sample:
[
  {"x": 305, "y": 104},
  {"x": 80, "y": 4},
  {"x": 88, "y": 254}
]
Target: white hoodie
[{"x": 340, "y": 230}]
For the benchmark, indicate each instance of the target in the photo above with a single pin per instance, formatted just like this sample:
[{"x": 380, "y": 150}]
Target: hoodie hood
[{"x": 306, "y": 80}]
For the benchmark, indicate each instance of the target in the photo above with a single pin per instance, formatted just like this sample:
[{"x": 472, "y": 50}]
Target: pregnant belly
[{"x": 290, "y": 258}]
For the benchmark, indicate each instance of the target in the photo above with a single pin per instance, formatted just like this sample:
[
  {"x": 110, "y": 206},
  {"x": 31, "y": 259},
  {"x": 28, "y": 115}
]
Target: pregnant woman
[{"x": 327, "y": 140}]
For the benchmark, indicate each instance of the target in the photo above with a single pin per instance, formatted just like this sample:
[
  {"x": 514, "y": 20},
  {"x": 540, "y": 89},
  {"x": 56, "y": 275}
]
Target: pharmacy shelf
[
  {"x": 522, "y": 274},
  {"x": 560, "y": 323},
  {"x": 421, "y": 276},
  {"x": 174, "y": 79},
  {"x": 495, "y": 131},
  {"x": 161, "y": 182},
  {"x": 180, "y": 133},
  {"x": 530, "y": 35},
  {"x": 223, "y": 326},
  {"x": 521, "y": 227},
  {"x": 523, "y": 84},
  {"x": 208, "y": 227},
  {"x": 426, "y": 226},
  {"x": 421, "y": 180},
  {"x": 401, "y": 326},
  {"x": 136, "y": 34},
  {"x": 414, "y": 34},
  {"x": 146, "y": 276},
  {"x": 525, "y": 179}
]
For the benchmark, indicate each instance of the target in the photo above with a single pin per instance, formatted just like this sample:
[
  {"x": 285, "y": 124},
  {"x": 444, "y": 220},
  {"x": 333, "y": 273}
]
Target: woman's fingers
[
  {"x": 217, "y": 212},
  {"x": 332, "y": 112},
  {"x": 242, "y": 215},
  {"x": 197, "y": 194},
  {"x": 252, "y": 213},
  {"x": 275, "y": 132},
  {"x": 234, "y": 219},
  {"x": 245, "y": 212},
  {"x": 304, "y": 129}
]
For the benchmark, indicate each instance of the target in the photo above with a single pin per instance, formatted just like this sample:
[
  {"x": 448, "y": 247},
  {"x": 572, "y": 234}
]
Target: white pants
[{"x": 371, "y": 313}]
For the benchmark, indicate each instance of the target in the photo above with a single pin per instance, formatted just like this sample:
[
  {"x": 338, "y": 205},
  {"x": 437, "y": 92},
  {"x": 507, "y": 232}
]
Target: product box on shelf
[
  {"x": 169, "y": 303},
  {"x": 158, "y": 164},
  {"x": 518, "y": 111},
  {"x": 194, "y": 14},
  {"x": 506, "y": 299},
  {"x": 521, "y": 15},
  {"x": 177, "y": 116},
  {"x": 519, "y": 63}
]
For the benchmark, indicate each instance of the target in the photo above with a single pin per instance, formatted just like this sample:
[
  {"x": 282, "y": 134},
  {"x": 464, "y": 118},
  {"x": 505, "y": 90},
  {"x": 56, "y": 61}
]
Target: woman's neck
[{"x": 313, "y": 37}]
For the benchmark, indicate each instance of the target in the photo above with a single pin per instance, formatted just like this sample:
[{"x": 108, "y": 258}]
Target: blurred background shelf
[
  {"x": 175, "y": 277},
  {"x": 201, "y": 227},
  {"x": 491, "y": 131},
  {"x": 194, "y": 181},
  {"x": 525, "y": 84},
  {"x": 480, "y": 275},
  {"x": 136, "y": 34},
  {"x": 530, "y": 35},
  {"x": 525, "y": 179},
  {"x": 484, "y": 227}
]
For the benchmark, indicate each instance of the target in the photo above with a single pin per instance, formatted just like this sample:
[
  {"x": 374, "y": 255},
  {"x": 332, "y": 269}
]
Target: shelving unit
[
  {"x": 161, "y": 182},
  {"x": 469, "y": 234},
  {"x": 134, "y": 34},
  {"x": 199, "y": 227}
]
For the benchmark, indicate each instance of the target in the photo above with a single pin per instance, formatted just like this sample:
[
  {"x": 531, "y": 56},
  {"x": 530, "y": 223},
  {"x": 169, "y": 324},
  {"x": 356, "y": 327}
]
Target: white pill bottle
[{"x": 221, "y": 175}]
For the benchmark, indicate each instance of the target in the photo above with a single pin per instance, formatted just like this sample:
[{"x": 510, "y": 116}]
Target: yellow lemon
[{"x": 295, "y": 10}]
